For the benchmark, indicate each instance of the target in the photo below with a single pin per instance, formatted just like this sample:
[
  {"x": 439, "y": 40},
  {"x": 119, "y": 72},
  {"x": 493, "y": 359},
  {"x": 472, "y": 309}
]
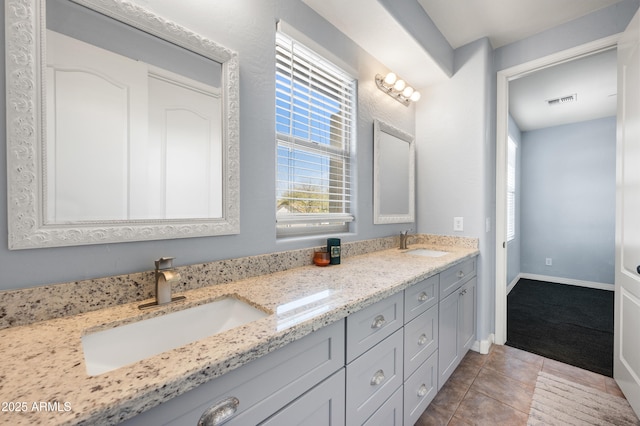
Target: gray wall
[
  {"x": 568, "y": 200},
  {"x": 513, "y": 246},
  {"x": 456, "y": 162},
  {"x": 247, "y": 26}
]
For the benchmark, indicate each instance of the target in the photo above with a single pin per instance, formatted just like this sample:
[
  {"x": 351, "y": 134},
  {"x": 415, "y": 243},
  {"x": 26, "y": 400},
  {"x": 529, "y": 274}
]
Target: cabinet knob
[
  {"x": 460, "y": 274},
  {"x": 423, "y": 296},
  {"x": 377, "y": 378},
  {"x": 220, "y": 412},
  {"x": 378, "y": 321},
  {"x": 422, "y": 339},
  {"x": 422, "y": 391}
]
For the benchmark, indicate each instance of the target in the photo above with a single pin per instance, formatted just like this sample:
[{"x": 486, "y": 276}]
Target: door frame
[{"x": 502, "y": 127}]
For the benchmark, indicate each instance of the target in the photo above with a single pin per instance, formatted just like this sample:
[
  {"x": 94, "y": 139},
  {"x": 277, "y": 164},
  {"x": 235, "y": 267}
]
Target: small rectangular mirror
[{"x": 394, "y": 175}]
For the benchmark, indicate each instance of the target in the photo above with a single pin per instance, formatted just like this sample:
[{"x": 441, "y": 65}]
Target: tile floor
[{"x": 496, "y": 389}]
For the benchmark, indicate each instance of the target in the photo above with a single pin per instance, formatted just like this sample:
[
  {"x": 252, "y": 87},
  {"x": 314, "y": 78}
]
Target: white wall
[{"x": 247, "y": 26}]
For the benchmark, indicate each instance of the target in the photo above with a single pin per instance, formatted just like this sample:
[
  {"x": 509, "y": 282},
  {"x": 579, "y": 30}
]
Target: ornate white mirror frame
[
  {"x": 25, "y": 49},
  {"x": 394, "y": 174}
]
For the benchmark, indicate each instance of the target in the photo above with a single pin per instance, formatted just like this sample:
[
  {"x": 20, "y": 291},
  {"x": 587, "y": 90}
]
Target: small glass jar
[{"x": 321, "y": 258}]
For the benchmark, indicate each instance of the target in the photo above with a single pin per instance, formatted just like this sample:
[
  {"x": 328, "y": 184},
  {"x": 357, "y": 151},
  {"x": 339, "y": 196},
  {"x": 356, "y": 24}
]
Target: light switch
[{"x": 458, "y": 224}]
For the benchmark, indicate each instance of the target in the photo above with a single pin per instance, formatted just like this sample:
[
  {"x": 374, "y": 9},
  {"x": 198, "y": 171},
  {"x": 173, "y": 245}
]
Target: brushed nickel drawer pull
[
  {"x": 422, "y": 339},
  {"x": 378, "y": 322},
  {"x": 377, "y": 378},
  {"x": 460, "y": 274},
  {"x": 220, "y": 412},
  {"x": 423, "y": 296},
  {"x": 422, "y": 391}
]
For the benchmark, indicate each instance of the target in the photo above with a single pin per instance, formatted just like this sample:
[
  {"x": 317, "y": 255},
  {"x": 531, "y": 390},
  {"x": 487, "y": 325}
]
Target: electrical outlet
[
  {"x": 548, "y": 261},
  {"x": 458, "y": 224}
]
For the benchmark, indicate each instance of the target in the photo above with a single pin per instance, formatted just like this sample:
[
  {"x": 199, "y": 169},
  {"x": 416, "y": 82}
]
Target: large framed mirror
[
  {"x": 121, "y": 126},
  {"x": 394, "y": 174}
]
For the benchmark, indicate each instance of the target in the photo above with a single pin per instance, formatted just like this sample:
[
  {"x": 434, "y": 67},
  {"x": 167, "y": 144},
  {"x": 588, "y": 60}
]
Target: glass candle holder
[{"x": 321, "y": 258}]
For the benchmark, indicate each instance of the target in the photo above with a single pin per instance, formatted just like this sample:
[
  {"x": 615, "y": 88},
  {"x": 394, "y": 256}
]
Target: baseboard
[
  {"x": 483, "y": 346},
  {"x": 568, "y": 281},
  {"x": 513, "y": 283}
]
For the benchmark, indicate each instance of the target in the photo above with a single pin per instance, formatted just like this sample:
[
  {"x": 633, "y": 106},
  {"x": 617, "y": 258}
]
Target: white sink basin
[
  {"x": 427, "y": 252},
  {"x": 116, "y": 347}
]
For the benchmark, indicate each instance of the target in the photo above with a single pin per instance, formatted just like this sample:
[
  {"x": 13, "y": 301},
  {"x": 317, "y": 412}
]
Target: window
[
  {"x": 511, "y": 190},
  {"x": 315, "y": 103}
]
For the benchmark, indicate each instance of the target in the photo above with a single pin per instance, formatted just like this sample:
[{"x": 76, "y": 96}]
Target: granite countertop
[{"x": 43, "y": 377}]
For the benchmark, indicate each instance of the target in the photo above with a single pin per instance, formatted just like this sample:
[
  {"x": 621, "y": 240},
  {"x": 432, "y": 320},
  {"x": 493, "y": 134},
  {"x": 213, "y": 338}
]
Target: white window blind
[
  {"x": 315, "y": 103},
  {"x": 511, "y": 190}
]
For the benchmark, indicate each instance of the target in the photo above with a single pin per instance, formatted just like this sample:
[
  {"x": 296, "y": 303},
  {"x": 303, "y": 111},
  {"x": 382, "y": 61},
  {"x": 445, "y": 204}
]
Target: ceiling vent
[{"x": 563, "y": 100}]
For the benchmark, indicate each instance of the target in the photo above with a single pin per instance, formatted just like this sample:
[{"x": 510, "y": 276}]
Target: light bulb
[
  {"x": 390, "y": 79},
  {"x": 399, "y": 86},
  {"x": 407, "y": 92},
  {"x": 415, "y": 96}
]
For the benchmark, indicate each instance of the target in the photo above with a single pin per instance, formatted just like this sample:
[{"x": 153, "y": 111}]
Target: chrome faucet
[
  {"x": 404, "y": 235},
  {"x": 165, "y": 275}
]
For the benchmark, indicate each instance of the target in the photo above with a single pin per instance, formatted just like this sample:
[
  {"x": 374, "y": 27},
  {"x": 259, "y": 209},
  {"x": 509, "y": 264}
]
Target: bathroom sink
[
  {"x": 110, "y": 349},
  {"x": 426, "y": 252}
]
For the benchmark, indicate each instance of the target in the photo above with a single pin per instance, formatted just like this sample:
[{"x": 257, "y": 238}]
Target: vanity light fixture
[{"x": 397, "y": 88}]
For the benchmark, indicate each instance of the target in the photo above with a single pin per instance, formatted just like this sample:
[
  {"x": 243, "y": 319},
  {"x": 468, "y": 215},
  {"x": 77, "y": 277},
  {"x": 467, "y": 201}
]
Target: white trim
[
  {"x": 502, "y": 125},
  {"x": 513, "y": 283},
  {"x": 291, "y": 31},
  {"x": 483, "y": 346},
  {"x": 568, "y": 281}
]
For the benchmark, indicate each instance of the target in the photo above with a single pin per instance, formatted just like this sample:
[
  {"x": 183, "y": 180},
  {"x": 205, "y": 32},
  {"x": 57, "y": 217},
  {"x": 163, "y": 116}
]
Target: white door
[{"x": 627, "y": 303}]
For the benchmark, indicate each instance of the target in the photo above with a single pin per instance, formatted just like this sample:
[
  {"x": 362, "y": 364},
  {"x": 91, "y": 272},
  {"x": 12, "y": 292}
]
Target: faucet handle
[{"x": 164, "y": 263}]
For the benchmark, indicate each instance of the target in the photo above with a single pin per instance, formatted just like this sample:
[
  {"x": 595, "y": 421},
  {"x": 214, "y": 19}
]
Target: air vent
[{"x": 563, "y": 100}]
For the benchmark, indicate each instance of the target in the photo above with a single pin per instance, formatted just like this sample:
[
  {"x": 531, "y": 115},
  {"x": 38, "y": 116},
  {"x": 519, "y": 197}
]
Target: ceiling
[
  {"x": 370, "y": 25},
  {"x": 503, "y": 21},
  {"x": 593, "y": 79}
]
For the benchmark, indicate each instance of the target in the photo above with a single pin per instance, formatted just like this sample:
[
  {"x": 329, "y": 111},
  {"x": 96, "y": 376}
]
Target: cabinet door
[
  {"x": 389, "y": 414},
  {"x": 467, "y": 312},
  {"x": 369, "y": 326},
  {"x": 321, "y": 406},
  {"x": 448, "y": 347},
  {"x": 255, "y": 391},
  {"x": 420, "y": 389},
  {"x": 420, "y": 340},
  {"x": 373, "y": 378},
  {"x": 420, "y": 297}
]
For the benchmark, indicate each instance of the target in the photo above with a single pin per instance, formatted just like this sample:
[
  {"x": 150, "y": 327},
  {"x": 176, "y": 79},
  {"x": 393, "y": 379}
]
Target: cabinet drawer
[
  {"x": 369, "y": 326},
  {"x": 420, "y": 340},
  {"x": 420, "y": 389},
  {"x": 261, "y": 387},
  {"x": 321, "y": 406},
  {"x": 420, "y": 297},
  {"x": 390, "y": 414},
  {"x": 373, "y": 378},
  {"x": 455, "y": 276}
]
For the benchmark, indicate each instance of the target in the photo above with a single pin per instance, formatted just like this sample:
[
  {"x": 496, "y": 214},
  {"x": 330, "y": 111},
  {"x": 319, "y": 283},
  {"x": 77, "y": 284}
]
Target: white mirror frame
[
  {"x": 380, "y": 127},
  {"x": 25, "y": 48}
]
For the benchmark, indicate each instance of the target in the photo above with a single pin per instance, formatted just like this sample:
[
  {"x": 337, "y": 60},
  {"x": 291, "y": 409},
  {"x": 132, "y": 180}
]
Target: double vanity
[{"x": 369, "y": 341}]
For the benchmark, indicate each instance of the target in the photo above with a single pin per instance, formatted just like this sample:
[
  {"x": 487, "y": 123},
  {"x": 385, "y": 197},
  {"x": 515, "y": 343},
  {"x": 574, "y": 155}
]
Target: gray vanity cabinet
[
  {"x": 456, "y": 317},
  {"x": 420, "y": 347},
  {"x": 374, "y": 360},
  {"x": 263, "y": 388},
  {"x": 321, "y": 406}
]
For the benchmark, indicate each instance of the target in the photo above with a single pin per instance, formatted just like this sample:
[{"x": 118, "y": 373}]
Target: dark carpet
[{"x": 567, "y": 323}]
